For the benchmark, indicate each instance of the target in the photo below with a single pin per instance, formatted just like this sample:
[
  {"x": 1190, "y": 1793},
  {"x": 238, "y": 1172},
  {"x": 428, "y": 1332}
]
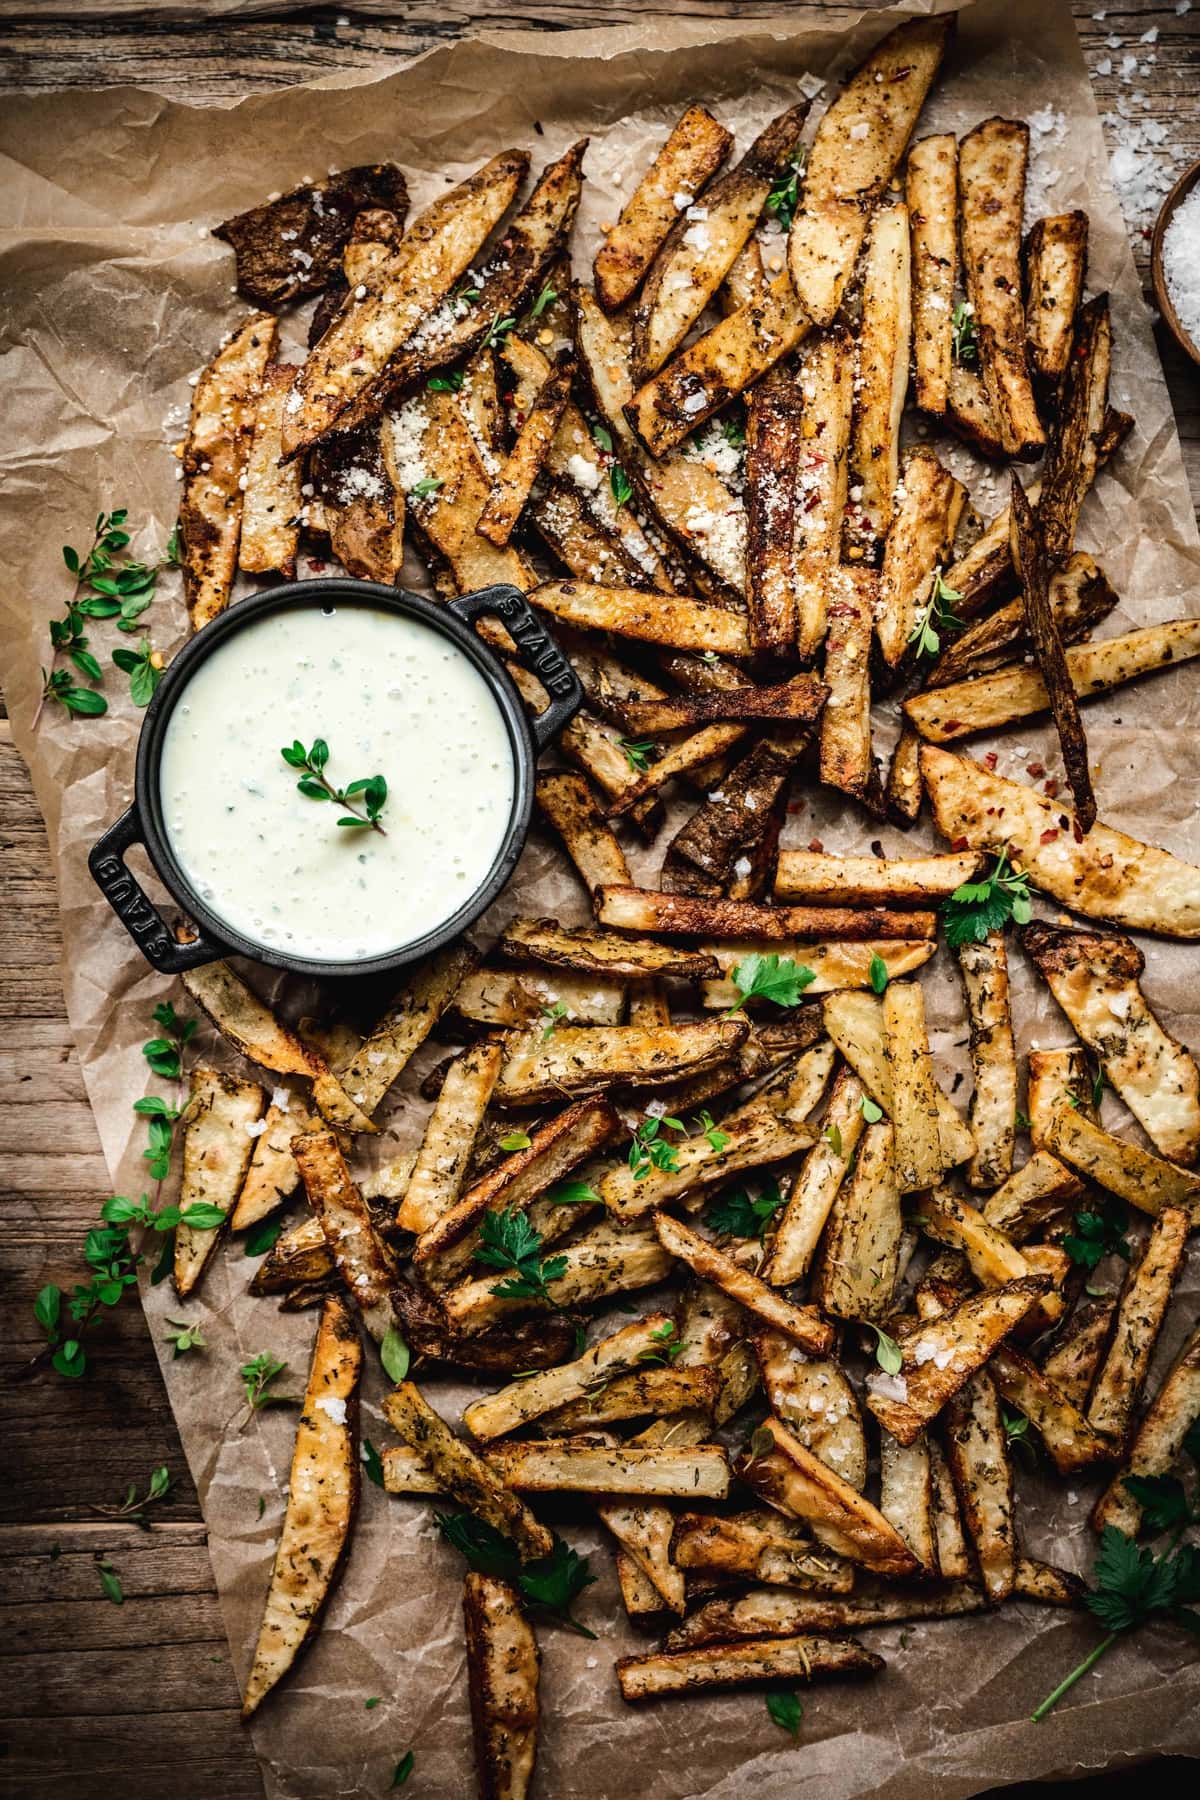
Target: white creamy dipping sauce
[{"x": 391, "y": 697}]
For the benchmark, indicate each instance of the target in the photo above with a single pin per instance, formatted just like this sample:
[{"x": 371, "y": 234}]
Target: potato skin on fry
[
  {"x": 503, "y": 1667},
  {"x": 695, "y": 150},
  {"x": 773, "y": 1659},
  {"x": 294, "y": 245},
  {"x": 991, "y": 186}
]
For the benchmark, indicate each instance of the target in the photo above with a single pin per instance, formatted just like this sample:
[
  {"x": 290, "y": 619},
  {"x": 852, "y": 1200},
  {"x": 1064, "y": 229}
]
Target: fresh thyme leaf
[
  {"x": 877, "y": 974},
  {"x": 979, "y": 907},
  {"x": 516, "y": 1140},
  {"x": 372, "y": 1703},
  {"x": 887, "y": 1351},
  {"x": 421, "y": 490},
  {"x": 870, "y": 1109},
  {"x": 446, "y": 384},
  {"x": 786, "y": 1709},
  {"x": 110, "y": 1583},
  {"x": 776, "y": 978},
  {"x": 497, "y": 332},
  {"x": 394, "y": 1354},
  {"x": 734, "y": 433},
  {"x": 833, "y": 1137},
  {"x": 371, "y": 790},
  {"x": 372, "y": 1462},
  {"x": 546, "y": 298},
  {"x": 716, "y": 1137},
  {"x": 603, "y": 437},
  {"x": 1098, "y": 1086},
  {"x": 739, "y": 1213},
  {"x": 784, "y": 194},
  {"x": 964, "y": 341},
  {"x": 554, "y": 1017},
  {"x": 402, "y": 1770},
  {"x": 936, "y": 616},
  {"x": 184, "y": 1337},
  {"x": 639, "y": 753},
  {"x": 619, "y": 485},
  {"x": 257, "y": 1376}
]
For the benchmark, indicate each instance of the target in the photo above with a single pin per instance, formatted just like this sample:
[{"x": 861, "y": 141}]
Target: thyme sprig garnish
[
  {"x": 314, "y": 784},
  {"x": 109, "y": 584}
]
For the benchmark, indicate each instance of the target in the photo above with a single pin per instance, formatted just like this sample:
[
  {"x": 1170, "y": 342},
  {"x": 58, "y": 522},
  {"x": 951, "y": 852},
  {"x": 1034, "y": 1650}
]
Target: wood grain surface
[{"x": 140, "y": 1699}]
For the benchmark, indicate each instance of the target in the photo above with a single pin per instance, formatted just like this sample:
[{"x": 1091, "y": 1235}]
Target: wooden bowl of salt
[{"x": 1175, "y": 261}]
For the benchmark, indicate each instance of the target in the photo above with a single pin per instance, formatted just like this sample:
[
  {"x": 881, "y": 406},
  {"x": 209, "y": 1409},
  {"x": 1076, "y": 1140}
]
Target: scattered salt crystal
[
  {"x": 281, "y": 1098},
  {"x": 583, "y": 473},
  {"x": 360, "y": 292},
  {"x": 693, "y": 403},
  {"x": 1104, "y": 66},
  {"x": 1183, "y": 6},
  {"x": 681, "y": 201},
  {"x": 656, "y": 1109},
  {"x": 1149, "y": 37},
  {"x": 888, "y": 1387},
  {"x": 334, "y": 1407},
  {"x": 256, "y": 1128},
  {"x": 1181, "y": 263},
  {"x": 742, "y": 867},
  {"x": 860, "y": 130}
]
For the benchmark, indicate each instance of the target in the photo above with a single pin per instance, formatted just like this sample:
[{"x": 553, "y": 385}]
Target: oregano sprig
[
  {"x": 108, "y": 584},
  {"x": 314, "y": 784}
]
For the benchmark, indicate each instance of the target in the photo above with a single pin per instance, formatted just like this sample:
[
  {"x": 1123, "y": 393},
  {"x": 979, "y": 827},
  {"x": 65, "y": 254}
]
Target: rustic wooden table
[{"x": 144, "y": 1693}]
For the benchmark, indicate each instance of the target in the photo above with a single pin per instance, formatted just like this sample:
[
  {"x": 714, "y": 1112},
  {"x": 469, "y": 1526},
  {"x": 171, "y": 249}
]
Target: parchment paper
[{"x": 114, "y": 293}]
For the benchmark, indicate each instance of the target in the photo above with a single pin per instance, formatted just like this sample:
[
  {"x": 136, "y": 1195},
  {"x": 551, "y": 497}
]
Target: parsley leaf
[
  {"x": 773, "y": 977},
  {"x": 738, "y": 1213},
  {"x": 372, "y": 1462},
  {"x": 670, "y": 1344},
  {"x": 508, "y": 1241},
  {"x": 554, "y": 1016},
  {"x": 650, "y": 1150},
  {"x": 1162, "y": 1500},
  {"x": 979, "y": 907},
  {"x": 402, "y": 1770},
  {"x": 549, "y": 1582},
  {"x": 572, "y": 1193},
  {"x": 1094, "y": 1236}
]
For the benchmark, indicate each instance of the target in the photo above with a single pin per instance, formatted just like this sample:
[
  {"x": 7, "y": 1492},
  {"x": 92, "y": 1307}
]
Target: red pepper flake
[
  {"x": 1077, "y": 831},
  {"x": 960, "y": 843},
  {"x": 1048, "y": 837},
  {"x": 990, "y": 760},
  {"x": 812, "y": 501},
  {"x": 1036, "y": 770},
  {"x": 952, "y": 725},
  {"x": 1051, "y": 787},
  {"x": 816, "y": 845},
  {"x": 317, "y": 564}
]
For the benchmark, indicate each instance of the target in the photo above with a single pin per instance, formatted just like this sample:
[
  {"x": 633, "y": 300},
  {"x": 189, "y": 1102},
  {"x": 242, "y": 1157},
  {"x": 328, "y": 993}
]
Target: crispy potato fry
[
  {"x": 322, "y": 1501},
  {"x": 595, "y": 747},
  {"x": 361, "y": 506},
  {"x": 684, "y": 915},
  {"x": 406, "y": 1471},
  {"x": 643, "y": 1534},
  {"x": 904, "y": 792},
  {"x": 633, "y": 1396},
  {"x": 736, "y": 829},
  {"x": 856, "y": 1272},
  {"x": 976, "y": 1450},
  {"x": 272, "y": 1176},
  {"x": 403, "y": 1028},
  {"x": 294, "y": 245},
  {"x": 944, "y": 1352},
  {"x": 993, "y": 1060},
  {"x": 969, "y": 412},
  {"x": 590, "y": 1059},
  {"x": 216, "y": 1154},
  {"x": 846, "y": 760},
  {"x": 815, "y": 1190},
  {"x": 1125, "y": 1169},
  {"x": 654, "y": 618},
  {"x": 767, "y": 1613},
  {"x": 746, "y": 278},
  {"x": 580, "y": 1466},
  {"x": 694, "y": 756},
  {"x": 693, "y": 153},
  {"x": 1105, "y": 874},
  {"x": 855, "y": 1023},
  {"x": 521, "y": 1345},
  {"x": 821, "y": 879},
  {"x": 1081, "y": 598},
  {"x": 611, "y": 1259},
  {"x": 1071, "y": 1442},
  {"x": 794, "y": 702},
  {"x": 215, "y": 458},
  {"x": 799, "y": 1484},
  {"x": 441, "y": 1166},
  {"x": 917, "y": 1151},
  {"x": 1075, "y": 450},
  {"x": 1041, "y": 1581},
  {"x": 750, "y": 1142},
  {"x": 1055, "y": 266},
  {"x": 567, "y": 802},
  {"x": 697, "y": 254},
  {"x": 816, "y": 1402},
  {"x": 503, "y": 1668},
  {"x": 801, "y": 1323},
  {"x": 732, "y": 1665},
  {"x": 931, "y": 184},
  {"x": 992, "y": 1257},
  {"x": 822, "y": 479},
  {"x": 358, "y": 1253},
  {"x": 1077, "y": 1354},
  {"x": 271, "y": 498},
  {"x": 253, "y": 1029},
  {"x": 524, "y": 1401},
  {"x": 301, "y": 1257},
  {"x": 884, "y": 348},
  {"x": 991, "y": 191},
  {"x": 1157, "y": 1442},
  {"x": 953, "y": 1558},
  {"x": 848, "y": 169},
  {"x": 643, "y": 1602},
  {"x": 461, "y": 1473},
  {"x": 835, "y": 966},
  {"x": 759, "y": 1547},
  {"x": 906, "y": 1496},
  {"x": 513, "y": 484},
  {"x": 599, "y": 952},
  {"x": 774, "y": 455},
  {"x": 1094, "y": 978},
  {"x": 919, "y": 537},
  {"x": 1141, "y": 1310}
]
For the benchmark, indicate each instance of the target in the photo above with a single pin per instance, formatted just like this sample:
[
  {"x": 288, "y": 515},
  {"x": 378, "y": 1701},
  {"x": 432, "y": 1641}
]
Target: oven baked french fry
[
  {"x": 360, "y": 505},
  {"x": 592, "y": 952},
  {"x": 884, "y": 350},
  {"x": 849, "y": 168},
  {"x": 462, "y": 1474},
  {"x": 906, "y": 1495},
  {"x": 1135, "y": 1175},
  {"x": 774, "y": 453},
  {"x": 294, "y": 245},
  {"x": 611, "y": 1259},
  {"x": 406, "y": 1471},
  {"x": 799, "y": 1484},
  {"x": 694, "y": 756},
  {"x": 519, "y": 1345},
  {"x": 826, "y": 379},
  {"x": 768, "y": 1613},
  {"x": 816, "y": 1187},
  {"x": 685, "y": 915},
  {"x": 737, "y": 827},
  {"x": 993, "y": 1113},
  {"x": 917, "y": 1151},
  {"x": 512, "y": 485},
  {"x": 816, "y": 1402},
  {"x": 215, "y": 457},
  {"x": 1103, "y": 874},
  {"x": 750, "y": 1142},
  {"x": 321, "y": 1504},
  {"x": 835, "y": 965},
  {"x": 794, "y": 702},
  {"x": 782, "y": 1659},
  {"x": 1033, "y": 1580},
  {"x": 943, "y": 1353},
  {"x": 691, "y": 155},
  {"x": 1157, "y": 1442},
  {"x": 855, "y": 1274},
  {"x": 759, "y": 1547},
  {"x": 271, "y": 498},
  {"x": 643, "y": 1534},
  {"x": 386, "y": 1050},
  {"x": 1077, "y": 1354},
  {"x": 216, "y": 1154},
  {"x": 904, "y": 792},
  {"x": 991, "y": 191},
  {"x": 272, "y": 1176},
  {"x": 595, "y": 747},
  {"x": 524, "y": 1401},
  {"x": 969, "y": 412},
  {"x": 243, "y": 1021},
  {"x": 802, "y": 1323},
  {"x": 699, "y": 252},
  {"x": 503, "y": 1671},
  {"x": 634, "y": 1396},
  {"x": 358, "y": 1252},
  {"x": 855, "y": 1023},
  {"x": 654, "y": 618},
  {"x": 568, "y": 803},
  {"x": 1075, "y": 450},
  {"x": 1141, "y": 1310},
  {"x": 976, "y": 1449},
  {"x": 1081, "y": 598},
  {"x": 953, "y": 1558},
  {"x": 1071, "y": 1442},
  {"x": 821, "y": 879},
  {"x": 931, "y": 192},
  {"x": 589, "y": 1059},
  {"x": 1094, "y": 976},
  {"x": 1055, "y": 266},
  {"x": 846, "y": 760},
  {"x": 581, "y": 1466},
  {"x": 301, "y": 1257},
  {"x": 441, "y": 1167},
  {"x": 745, "y": 279},
  {"x": 712, "y": 1331},
  {"x": 948, "y": 1219},
  {"x": 919, "y": 537}
]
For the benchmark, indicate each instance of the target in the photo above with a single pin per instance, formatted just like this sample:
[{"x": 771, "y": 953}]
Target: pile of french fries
[{"x": 694, "y": 467}]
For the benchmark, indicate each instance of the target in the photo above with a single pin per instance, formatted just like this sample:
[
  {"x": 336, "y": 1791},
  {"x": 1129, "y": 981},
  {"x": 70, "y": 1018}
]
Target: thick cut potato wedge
[
  {"x": 794, "y": 702},
  {"x": 294, "y": 245},
  {"x": 695, "y": 756},
  {"x": 802, "y": 1323},
  {"x": 822, "y": 479},
  {"x": 976, "y": 1450},
  {"x": 849, "y": 167},
  {"x": 636, "y": 1395},
  {"x": 671, "y": 619},
  {"x": 591, "y": 1059},
  {"x": 730, "y": 841},
  {"x": 821, "y": 879},
  {"x": 644, "y": 1535},
  {"x": 835, "y": 965},
  {"x": 272, "y": 1176},
  {"x": 503, "y": 1668},
  {"x": 397, "y": 1036},
  {"x": 856, "y": 1273},
  {"x": 816, "y": 1402},
  {"x": 763, "y": 1613},
  {"x": 746, "y": 279},
  {"x": 988, "y": 701},
  {"x": 815, "y": 1190},
  {"x": 643, "y": 1601},
  {"x": 855, "y": 1023},
  {"x": 904, "y": 793},
  {"x": 991, "y": 1255},
  {"x": 595, "y": 747},
  {"x": 581, "y": 1466},
  {"x": 345, "y": 376},
  {"x": 1105, "y": 874},
  {"x": 1094, "y": 978},
  {"x": 799, "y": 1484},
  {"x": 759, "y": 1547},
  {"x": 253, "y": 1029},
  {"x": 991, "y": 190},
  {"x": 1141, "y": 1310},
  {"x": 1071, "y": 1442},
  {"x": 271, "y": 498},
  {"x": 216, "y": 1154},
  {"x": 917, "y": 1151},
  {"x": 300, "y": 1258},
  {"x": 751, "y": 1142},
  {"x": 993, "y": 1115},
  {"x": 931, "y": 191},
  {"x": 1049, "y": 1586},
  {"x": 884, "y": 348},
  {"x": 522, "y": 1345},
  {"x": 215, "y": 458},
  {"x": 1081, "y": 598},
  {"x": 1158, "y": 1441},
  {"x": 784, "y": 1659},
  {"x": 568, "y": 803},
  {"x": 611, "y": 1259},
  {"x": 774, "y": 454},
  {"x": 685, "y": 915},
  {"x": 322, "y": 1500},
  {"x": 442, "y": 1162},
  {"x": 919, "y": 538},
  {"x": 360, "y": 506},
  {"x": 1076, "y": 447},
  {"x": 1077, "y": 1354},
  {"x": 969, "y": 412},
  {"x": 846, "y": 760},
  {"x": 513, "y": 484},
  {"x": 943, "y": 1353},
  {"x": 524, "y": 1401},
  {"x": 692, "y": 154},
  {"x": 1055, "y": 265},
  {"x": 906, "y": 1495},
  {"x": 496, "y": 997},
  {"x": 358, "y": 1253},
  {"x": 953, "y": 1558},
  {"x": 462, "y": 1474},
  {"x": 599, "y": 952},
  {"x": 1125, "y": 1169}
]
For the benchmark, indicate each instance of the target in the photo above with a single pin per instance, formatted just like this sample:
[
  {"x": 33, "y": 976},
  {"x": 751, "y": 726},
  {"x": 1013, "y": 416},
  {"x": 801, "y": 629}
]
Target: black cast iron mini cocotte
[{"x": 143, "y": 822}]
